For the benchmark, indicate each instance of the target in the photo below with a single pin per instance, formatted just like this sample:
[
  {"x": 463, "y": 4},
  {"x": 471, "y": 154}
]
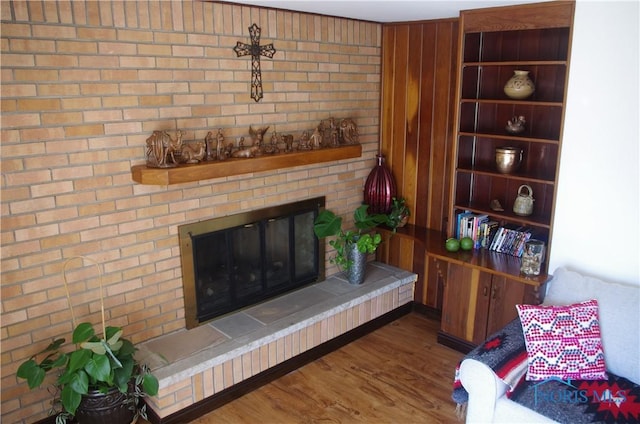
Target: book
[
  {"x": 478, "y": 220},
  {"x": 497, "y": 240},
  {"x": 488, "y": 230},
  {"x": 461, "y": 224}
]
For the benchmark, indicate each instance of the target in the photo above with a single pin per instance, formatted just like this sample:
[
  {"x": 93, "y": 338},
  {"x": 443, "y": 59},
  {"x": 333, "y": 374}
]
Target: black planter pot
[{"x": 104, "y": 408}]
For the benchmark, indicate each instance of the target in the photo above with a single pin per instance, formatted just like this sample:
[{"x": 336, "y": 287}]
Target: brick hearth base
[{"x": 194, "y": 365}]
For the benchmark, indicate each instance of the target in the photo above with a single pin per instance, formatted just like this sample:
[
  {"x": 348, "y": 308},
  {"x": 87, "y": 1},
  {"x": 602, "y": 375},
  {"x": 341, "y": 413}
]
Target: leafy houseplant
[
  {"x": 328, "y": 224},
  {"x": 95, "y": 365},
  {"x": 399, "y": 212}
]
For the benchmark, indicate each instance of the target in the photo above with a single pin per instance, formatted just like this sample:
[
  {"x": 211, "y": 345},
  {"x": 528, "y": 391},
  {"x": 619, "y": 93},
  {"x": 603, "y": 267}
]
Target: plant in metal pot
[
  {"x": 328, "y": 224},
  {"x": 92, "y": 367}
]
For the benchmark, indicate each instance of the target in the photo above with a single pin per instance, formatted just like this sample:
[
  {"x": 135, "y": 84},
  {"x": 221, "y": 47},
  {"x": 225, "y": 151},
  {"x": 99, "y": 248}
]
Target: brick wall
[{"x": 84, "y": 83}]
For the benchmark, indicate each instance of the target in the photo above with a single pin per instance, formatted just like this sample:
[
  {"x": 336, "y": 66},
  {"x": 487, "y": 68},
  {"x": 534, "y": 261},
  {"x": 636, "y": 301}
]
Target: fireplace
[{"x": 232, "y": 262}]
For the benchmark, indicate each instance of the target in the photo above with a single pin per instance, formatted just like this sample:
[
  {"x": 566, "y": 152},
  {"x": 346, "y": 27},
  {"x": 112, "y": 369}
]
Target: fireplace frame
[{"x": 186, "y": 232}]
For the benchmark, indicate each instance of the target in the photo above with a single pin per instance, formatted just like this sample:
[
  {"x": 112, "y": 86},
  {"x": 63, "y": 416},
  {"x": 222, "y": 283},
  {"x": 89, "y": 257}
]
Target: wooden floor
[{"x": 397, "y": 374}]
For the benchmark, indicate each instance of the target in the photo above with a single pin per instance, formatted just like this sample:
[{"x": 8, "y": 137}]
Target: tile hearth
[{"x": 195, "y": 364}]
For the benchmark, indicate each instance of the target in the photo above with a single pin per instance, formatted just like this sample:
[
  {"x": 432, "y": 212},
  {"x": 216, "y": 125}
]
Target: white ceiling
[{"x": 382, "y": 10}]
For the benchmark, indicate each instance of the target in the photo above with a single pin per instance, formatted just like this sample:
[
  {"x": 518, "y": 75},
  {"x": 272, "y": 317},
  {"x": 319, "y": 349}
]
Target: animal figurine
[
  {"x": 257, "y": 136},
  {"x": 174, "y": 146},
  {"x": 161, "y": 147},
  {"x": 193, "y": 152},
  {"x": 249, "y": 152}
]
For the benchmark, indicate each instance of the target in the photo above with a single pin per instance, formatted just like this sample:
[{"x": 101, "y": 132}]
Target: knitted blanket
[
  {"x": 616, "y": 400},
  {"x": 504, "y": 352}
]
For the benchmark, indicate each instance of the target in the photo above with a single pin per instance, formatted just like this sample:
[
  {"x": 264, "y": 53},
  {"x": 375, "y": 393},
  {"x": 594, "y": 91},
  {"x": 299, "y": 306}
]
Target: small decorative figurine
[
  {"x": 208, "y": 143},
  {"x": 316, "y": 139},
  {"x": 304, "y": 141},
  {"x": 348, "y": 131},
  {"x": 287, "y": 139},
  {"x": 257, "y": 136},
  {"x": 249, "y": 152},
  {"x": 331, "y": 133},
  {"x": 516, "y": 125},
  {"x": 496, "y": 206},
  {"x": 161, "y": 149},
  {"x": 193, "y": 152},
  {"x": 271, "y": 147},
  {"x": 220, "y": 151}
]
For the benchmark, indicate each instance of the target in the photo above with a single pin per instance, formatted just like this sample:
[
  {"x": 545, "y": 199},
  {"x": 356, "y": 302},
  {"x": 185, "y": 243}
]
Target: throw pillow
[{"x": 563, "y": 341}]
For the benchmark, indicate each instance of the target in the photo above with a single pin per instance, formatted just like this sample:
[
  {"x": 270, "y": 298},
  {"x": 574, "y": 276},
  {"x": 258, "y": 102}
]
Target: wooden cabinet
[
  {"x": 477, "y": 303},
  {"x": 494, "y": 43}
]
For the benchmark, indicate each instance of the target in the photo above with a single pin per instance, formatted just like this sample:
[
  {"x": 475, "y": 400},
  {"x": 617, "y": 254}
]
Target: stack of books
[
  {"x": 488, "y": 234},
  {"x": 510, "y": 239},
  {"x": 478, "y": 227}
]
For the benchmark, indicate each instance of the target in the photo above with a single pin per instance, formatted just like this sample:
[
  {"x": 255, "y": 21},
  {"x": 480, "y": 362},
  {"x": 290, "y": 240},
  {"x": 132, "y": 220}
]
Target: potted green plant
[
  {"x": 93, "y": 372},
  {"x": 399, "y": 213},
  {"x": 351, "y": 246}
]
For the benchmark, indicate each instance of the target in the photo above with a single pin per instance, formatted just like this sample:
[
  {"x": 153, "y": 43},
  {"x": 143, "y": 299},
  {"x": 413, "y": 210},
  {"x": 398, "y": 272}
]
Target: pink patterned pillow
[{"x": 563, "y": 341}]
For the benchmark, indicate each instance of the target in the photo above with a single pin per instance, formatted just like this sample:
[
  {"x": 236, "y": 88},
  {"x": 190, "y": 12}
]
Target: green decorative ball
[
  {"x": 466, "y": 243},
  {"x": 452, "y": 245}
]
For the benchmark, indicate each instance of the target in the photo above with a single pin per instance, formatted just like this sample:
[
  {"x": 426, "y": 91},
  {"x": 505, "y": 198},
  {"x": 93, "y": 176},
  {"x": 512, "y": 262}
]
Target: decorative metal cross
[{"x": 255, "y": 50}]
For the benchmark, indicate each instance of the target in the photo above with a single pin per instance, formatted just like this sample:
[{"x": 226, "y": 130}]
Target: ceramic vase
[
  {"x": 519, "y": 85},
  {"x": 355, "y": 274},
  {"x": 380, "y": 188}
]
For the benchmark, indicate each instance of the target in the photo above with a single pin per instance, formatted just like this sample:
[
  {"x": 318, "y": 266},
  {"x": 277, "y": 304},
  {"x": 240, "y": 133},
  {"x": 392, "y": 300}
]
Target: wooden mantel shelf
[{"x": 235, "y": 166}]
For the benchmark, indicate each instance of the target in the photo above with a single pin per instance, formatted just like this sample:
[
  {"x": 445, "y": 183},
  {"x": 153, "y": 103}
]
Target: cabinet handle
[
  {"x": 484, "y": 291},
  {"x": 494, "y": 292}
]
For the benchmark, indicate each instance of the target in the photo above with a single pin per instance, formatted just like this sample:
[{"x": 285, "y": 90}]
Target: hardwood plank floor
[{"x": 396, "y": 374}]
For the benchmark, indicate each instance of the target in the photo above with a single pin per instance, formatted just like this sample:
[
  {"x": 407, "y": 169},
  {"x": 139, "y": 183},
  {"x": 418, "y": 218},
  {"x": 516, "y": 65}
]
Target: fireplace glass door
[{"x": 245, "y": 264}]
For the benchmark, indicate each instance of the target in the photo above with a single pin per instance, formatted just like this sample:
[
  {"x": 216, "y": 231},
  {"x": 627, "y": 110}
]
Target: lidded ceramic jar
[{"x": 519, "y": 85}]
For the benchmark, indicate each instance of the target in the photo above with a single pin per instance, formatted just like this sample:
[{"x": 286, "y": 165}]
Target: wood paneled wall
[{"x": 418, "y": 89}]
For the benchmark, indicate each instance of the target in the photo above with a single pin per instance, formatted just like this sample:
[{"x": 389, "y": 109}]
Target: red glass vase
[{"x": 380, "y": 188}]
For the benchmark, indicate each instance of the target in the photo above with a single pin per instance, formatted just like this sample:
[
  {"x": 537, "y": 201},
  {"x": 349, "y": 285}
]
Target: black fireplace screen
[{"x": 232, "y": 262}]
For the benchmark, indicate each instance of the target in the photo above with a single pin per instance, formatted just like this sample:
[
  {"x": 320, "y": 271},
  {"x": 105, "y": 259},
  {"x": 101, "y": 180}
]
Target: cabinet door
[
  {"x": 464, "y": 309},
  {"x": 505, "y": 294}
]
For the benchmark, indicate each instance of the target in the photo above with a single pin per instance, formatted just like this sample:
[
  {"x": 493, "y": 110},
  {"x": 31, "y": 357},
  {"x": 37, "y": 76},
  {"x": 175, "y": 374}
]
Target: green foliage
[
  {"x": 95, "y": 364},
  {"x": 328, "y": 224},
  {"x": 399, "y": 211}
]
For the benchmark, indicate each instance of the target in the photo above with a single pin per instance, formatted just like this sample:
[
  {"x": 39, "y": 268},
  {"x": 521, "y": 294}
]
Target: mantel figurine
[
  {"x": 164, "y": 151},
  {"x": 161, "y": 149}
]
